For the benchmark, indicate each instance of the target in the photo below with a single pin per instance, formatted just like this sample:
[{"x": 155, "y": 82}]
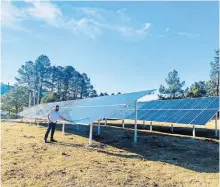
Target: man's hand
[
  {"x": 63, "y": 118},
  {"x": 48, "y": 117}
]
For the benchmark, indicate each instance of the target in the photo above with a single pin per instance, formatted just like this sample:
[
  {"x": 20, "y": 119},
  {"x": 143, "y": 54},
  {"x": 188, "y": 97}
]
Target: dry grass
[{"x": 159, "y": 158}]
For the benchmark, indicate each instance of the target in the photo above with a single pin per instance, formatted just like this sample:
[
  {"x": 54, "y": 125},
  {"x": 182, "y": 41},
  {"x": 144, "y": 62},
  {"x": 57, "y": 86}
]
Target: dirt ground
[{"x": 160, "y": 158}]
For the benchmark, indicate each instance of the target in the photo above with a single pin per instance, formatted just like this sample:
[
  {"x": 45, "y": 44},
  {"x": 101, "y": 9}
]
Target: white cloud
[
  {"x": 91, "y": 22},
  {"x": 92, "y": 13},
  {"x": 183, "y": 34},
  {"x": 44, "y": 10},
  {"x": 167, "y": 29},
  {"x": 11, "y": 16},
  {"x": 97, "y": 20},
  {"x": 84, "y": 26},
  {"x": 187, "y": 34},
  {"x": 131, "y": 31},
  {"x": 147, "y": 26},
  {"x": 122, "y": 14}
]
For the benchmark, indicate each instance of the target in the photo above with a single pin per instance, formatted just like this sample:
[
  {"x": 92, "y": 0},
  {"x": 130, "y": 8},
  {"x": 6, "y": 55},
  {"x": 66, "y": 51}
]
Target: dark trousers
[{"x": 51, "y": 127}]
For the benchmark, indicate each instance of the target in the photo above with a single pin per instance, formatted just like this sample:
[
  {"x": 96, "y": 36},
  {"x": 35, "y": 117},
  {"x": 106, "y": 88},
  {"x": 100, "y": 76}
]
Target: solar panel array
[
  {"x": 85, "y": 111},
  {"x": 196, "y": 111}
]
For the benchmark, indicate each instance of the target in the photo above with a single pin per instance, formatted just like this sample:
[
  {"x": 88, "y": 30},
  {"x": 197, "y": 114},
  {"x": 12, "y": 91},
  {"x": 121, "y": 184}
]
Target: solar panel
[
  {"x": 167, "y": 105},
  {"x": 203, "y": 117},
  {"x": 120, "y": 114},
  {"x": 147, "y": 116},
  {"x": 205, "y": 102},
  {"x": 141, "y": 113},
  {"x": 189, "y": 103},
  {"x": 189, "y": 116},
  {"x": 156, "y": 115},
  {"x": 131, "y": 116},
  {"x": 197, "y": 111},
  {"x": 214, "y": 104},
  {"x": 88, "y": 110},
  {"x": 177, "y": 115},
  {"x": 148, "y": 105},
  {"x": 166, "y": 115},
  {"x": 151, "y": 105},
  {"x": 179, "y": 103}
]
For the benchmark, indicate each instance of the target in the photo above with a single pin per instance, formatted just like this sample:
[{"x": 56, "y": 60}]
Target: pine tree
[{"x": 174, "y": 87}]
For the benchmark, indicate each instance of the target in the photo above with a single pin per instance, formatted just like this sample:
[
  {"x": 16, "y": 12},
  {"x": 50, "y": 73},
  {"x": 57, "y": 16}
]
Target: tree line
[
  {"x": 40, "y": 82},
  {"x": 61, "y": 83},
  {"x": 175, "y": 87}
]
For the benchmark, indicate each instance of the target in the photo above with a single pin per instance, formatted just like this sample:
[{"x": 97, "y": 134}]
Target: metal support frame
[
  {"x": 151, "y": 126},
  {"x": 135, "y": 124},
  {"x": 172, "y": 128},
  {"x": 63, "y": 129},
  {"x": 8, "y": 117},
  {"x": 216, "y": 125},
  {"x": 78, "y": 127},
  {"x": 123, "y": 123},
  {"x": 30, "y": 95},
  {"x": 194, "y": 131},
  {"x": 98, "y": 128},
  {"x": 144, "y": 124},
  {"x": 90, "y": 134},
  {"x": 38, "y": 121},
  {"x": 105, "y": 122}
]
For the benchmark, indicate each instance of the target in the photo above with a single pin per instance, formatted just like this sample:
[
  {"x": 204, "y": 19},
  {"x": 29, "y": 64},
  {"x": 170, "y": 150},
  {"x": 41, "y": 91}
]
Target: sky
[{"x": 121, "y": 46}]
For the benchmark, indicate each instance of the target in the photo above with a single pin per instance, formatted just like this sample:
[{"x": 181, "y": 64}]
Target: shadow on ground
[{"x": 201, "y": 155}]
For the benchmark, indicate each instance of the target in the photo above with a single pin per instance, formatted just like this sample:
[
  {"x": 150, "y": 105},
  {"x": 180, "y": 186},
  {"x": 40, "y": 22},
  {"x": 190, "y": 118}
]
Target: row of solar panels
[
  {"x": 184, "y": 111},
  {"x": 85, "y": 111},
  {"x": 196, "y": 103}
]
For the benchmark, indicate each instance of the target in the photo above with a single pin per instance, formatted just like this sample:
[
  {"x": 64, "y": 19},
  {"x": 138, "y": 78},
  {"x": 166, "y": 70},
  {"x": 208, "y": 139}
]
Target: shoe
[
  {"x": 45, "y": 140},
  {"x": 52, "y": 140}
]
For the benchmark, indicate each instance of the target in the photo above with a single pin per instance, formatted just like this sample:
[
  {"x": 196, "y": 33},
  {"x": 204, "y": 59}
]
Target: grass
[{"x": 160, "y": 158}]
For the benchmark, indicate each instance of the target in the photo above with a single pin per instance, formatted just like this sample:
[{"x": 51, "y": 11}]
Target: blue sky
[{"x": 122, "y": 46}]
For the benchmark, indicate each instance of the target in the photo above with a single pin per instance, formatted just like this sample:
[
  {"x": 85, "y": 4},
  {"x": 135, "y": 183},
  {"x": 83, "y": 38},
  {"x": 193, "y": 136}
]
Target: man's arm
[
  {"x": 62, "y": 118},
  {"x": 48, "y": 117}
]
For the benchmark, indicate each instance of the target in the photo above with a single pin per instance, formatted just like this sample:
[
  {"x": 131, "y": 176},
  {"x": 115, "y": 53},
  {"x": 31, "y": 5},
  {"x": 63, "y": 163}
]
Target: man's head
[{"x": 57, "y": 108}]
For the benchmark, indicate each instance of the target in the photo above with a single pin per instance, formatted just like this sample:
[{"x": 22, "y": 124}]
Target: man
[{"x": 52, "y": 116}]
